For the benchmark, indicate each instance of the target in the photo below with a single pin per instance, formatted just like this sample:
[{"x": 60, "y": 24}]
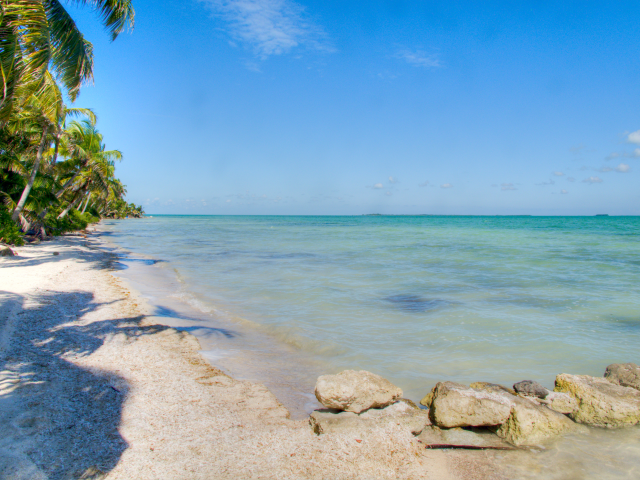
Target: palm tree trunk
[
  {"x": 86, "y": 203},
  {"x": 79, "y": 196},
  {"x": 32, "y": 178}
]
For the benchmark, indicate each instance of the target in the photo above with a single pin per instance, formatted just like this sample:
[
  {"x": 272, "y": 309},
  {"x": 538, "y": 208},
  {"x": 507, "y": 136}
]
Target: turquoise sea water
[{"x": 417, "y": 299}]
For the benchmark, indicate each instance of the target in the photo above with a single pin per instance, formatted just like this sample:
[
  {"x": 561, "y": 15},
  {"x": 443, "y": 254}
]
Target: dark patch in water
[
  {"x": 283, "y": 256},
  {"x": 416, "y": 303}
]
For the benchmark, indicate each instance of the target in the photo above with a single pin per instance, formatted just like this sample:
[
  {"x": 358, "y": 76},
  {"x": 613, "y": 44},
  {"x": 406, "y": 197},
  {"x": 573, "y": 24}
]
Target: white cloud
[
  {"x": 507, "y": 186},
  {"x": 563, "y": 192},
  {"x": 388, "y": 194},
  {"x": 623, "y": 168},
  {"x": 611, "y": 156},
  {"x": 424, "y": 184},
  {"x": 592, "y": 180},
  {"x": 605, "y": 169},
  {"x": 446, "y": 185},
  {"x": 393, "y": 180},
  {"x": 558, "y": 174},
  {"x": 378, "y": 185},
  {"x": 634, "y": 137},
  {"x": 271, "y": 27},
  {"x": 418, "y": 58},
  {"x": 228, "y": 201}
]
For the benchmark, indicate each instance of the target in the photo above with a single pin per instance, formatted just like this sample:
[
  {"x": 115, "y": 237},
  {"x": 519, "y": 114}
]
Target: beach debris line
[{"x": 482, "y": 415}]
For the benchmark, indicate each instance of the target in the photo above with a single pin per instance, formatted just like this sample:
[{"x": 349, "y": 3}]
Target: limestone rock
[
  {"x": 477, "y": 437},
  {"x": 455, "y": 405},
  {"x": 625, "y": 374},
  {"x": 601, "y": 403},
  {"x": 531, "y": 389},
  {"x": 6, "y": 252},
  {"x": 531, "y": 424},
  {"x": 561, "y": 402},
  {"x": 491, "y": 387},
  {"x": 354, "y": 391},
  {"x": 428, "y": 398},
  {"x": 401, "y": 413}
]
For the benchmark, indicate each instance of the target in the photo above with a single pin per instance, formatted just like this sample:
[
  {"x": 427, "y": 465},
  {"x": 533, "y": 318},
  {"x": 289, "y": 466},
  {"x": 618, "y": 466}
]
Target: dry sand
[{"x": 91, "y": 388}]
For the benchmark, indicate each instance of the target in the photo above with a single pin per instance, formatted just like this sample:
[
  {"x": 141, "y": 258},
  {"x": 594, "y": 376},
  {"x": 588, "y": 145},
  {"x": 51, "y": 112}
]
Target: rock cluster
[
  {"x": 6, "y": 251},
  {"x": 482, "y": 414},
  {"x": 360, "y": 401}
]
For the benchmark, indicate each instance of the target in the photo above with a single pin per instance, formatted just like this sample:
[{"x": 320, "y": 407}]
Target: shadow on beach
[{"x": 59, "y": 420}]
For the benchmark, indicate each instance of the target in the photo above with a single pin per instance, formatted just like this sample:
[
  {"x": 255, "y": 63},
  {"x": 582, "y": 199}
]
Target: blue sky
[{"x": 350, "y": 107}]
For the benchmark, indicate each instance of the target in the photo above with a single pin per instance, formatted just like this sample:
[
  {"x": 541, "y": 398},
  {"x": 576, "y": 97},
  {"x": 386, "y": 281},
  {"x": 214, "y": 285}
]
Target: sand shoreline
[{"x": 92, "y": 388}]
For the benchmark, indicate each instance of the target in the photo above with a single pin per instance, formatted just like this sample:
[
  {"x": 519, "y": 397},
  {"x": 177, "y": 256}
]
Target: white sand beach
[{"x": 91, "y": 388}]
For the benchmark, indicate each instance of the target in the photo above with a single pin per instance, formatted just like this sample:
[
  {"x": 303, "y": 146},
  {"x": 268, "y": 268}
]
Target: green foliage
[
  {"x": 72, "y": 222},
  {"x": 9, "y": 231}
]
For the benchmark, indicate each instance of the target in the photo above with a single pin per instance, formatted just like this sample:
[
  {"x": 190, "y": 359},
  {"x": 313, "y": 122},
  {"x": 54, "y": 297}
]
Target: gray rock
[
  {"x": 402, "y": 413},
  {"x": 532, "y": 424},
  {"x": 6, "y": 252},
  {"x": 455, "y": 405},
  {"x": 625, "y": 374},
  {"x": 530, "y": 388},
  {"x": 601, "y": 403},
  {"x": 354, "y": 391}
]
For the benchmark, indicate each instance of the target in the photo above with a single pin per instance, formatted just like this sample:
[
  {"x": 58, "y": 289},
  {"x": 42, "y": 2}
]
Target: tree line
[{"x": 56, "y": 173}]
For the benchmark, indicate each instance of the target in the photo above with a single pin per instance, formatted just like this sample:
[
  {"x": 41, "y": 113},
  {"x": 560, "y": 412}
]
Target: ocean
[{"x": 416, "y": 299}]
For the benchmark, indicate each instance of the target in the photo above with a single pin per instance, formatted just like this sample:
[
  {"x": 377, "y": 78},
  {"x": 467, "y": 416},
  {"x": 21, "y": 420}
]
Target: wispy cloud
[
  {"x": 393, "y": 180},
  {"x": 634, "y": 137},
  {"x": 623, "y": 168},
  {"x": 507, "y": 186},
  {"x": 424, "y": 184},
  {"x": 571, "y": 179},
  {"x": 270, "y": 27},
  {"x": 563, "y": 191},
  {"x": 592, "y": 180},
  {"x": 550, "y": 182},
  {"x": 446, "y": 185},
  {"x": 378, "y": 185},
  {"x": 419, "y": 58},
  {"x": 558, "y": 174}
]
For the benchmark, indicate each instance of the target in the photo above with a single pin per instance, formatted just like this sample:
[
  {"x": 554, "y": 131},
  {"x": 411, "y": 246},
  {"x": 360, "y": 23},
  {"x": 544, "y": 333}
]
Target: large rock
[
  {"x": 402, "y": 413},
  {"x": 354, "y": 391},
  {"x": 530, "y": 389},
  {"x": 532, "y": 424},
  {"x": 6, "y": 252},
  {"x": 625, "y": 374},
  {"x": 600, "y": 402},
  {"x": 560, "y": 402},
  {"x": 455, "y": 405}
]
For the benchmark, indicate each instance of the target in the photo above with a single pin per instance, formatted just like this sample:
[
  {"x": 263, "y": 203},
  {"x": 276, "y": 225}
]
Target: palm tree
[
  {"x": 90, "y": 165},
  {"x": 38, "y": 35}
]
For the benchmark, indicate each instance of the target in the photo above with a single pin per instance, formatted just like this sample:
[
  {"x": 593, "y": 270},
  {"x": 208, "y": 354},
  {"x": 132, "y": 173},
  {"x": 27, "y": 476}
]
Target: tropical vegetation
[{"x": 56, "y": 173}]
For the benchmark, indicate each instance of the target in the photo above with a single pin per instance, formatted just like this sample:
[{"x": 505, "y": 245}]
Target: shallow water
[{"x": 414, "y": 299}]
